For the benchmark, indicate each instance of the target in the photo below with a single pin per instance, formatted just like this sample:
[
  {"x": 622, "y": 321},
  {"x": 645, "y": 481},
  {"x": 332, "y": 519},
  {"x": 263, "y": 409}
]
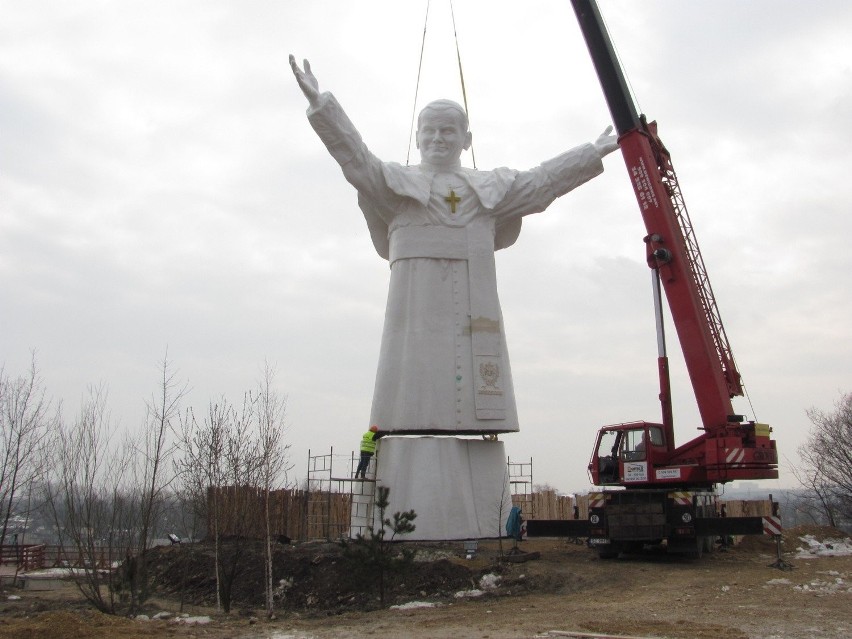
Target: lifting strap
[{"x": 417, "y": 87}]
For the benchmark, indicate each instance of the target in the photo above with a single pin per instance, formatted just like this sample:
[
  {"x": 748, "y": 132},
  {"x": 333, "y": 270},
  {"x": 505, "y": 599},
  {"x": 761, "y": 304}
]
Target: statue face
[{"x": 441, "y": 136}]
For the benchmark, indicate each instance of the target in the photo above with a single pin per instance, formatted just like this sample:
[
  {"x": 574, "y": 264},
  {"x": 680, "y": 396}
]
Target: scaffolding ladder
[
  {"x": 329, "y": 496},
  {"x": 362, "y": 499},
  {"x": 521, "y": 484},
  {"x": 318, "y": 522}
]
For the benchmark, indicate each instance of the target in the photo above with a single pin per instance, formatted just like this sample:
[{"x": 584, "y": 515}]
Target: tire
[
  {"x": 693, "y": 548},
  {"x": 609, "y": 552}
]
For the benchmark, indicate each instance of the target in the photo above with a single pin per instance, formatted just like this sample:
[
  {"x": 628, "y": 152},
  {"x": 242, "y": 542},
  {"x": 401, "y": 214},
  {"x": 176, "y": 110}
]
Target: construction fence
[
  {"x": 240, "y": 511},
  {"x": 547, "y": 504},
  {"x": 36, "y": 556},
  {"x": 304, "y": 515}
]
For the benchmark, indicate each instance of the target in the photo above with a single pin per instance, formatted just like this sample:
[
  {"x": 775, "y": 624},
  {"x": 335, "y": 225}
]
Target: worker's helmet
[{"x": 374, "y": 429}]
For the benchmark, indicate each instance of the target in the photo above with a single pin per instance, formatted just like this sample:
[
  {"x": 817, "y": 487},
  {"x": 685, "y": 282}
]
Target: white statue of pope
[{"x": 443, "y": 367}]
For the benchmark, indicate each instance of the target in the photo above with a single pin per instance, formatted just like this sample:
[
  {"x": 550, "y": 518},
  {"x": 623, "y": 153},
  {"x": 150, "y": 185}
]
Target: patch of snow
[
  {"x": 832, "y": 587},
  {"x": 779, "y": 582},
  {"x": 278, "y": 635},
  {"x": 725, "y": 588},
  {"x": 834, "y": 583},
  {"x": 824, "y": 548},
  {"x": 469, "y": 593},
  {"x": 198, "y": 621},
  {"x": 13, "y": 597},
  {"x": 489, "y": 581},
  {"x": 59, "y": 573},
  {"x": 142, "y": 618},
  {"x": 432, "y": 555},
  {"x": 411, "y": 605}
]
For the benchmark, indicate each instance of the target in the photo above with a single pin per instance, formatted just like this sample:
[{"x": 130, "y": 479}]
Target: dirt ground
[{"x": 724, "y": 595}]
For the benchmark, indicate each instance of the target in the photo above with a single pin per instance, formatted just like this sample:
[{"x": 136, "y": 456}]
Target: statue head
[{"x": 442, "y": 133}]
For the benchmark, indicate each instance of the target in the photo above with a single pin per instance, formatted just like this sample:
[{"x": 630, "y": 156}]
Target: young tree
[
  {"x": 222, "y": 455},
  {"x": 373, "y": 554},
  {"x": 229, "y": 467},
  {"x": 273, "y": 463},
  {"x": 501, "y": 512},
  {"x": 242, "y": 472},
  {"x": 152, "y": 476},
  {"x": 827, "y": 460},
  {"x": 191, "y": 500},
  {"x": 86, "y": 493},
  {"x": 25, "y": 424},
  {"x": 201, "y": 469}
]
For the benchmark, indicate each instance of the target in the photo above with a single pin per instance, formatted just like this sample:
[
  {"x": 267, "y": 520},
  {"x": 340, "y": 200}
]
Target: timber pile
[
  {"x": 303, "y": 515},
  {"x": 296, "y": 514}
]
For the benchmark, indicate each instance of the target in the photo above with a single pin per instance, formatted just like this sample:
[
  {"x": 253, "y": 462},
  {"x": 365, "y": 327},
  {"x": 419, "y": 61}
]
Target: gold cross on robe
[{"x": 452, "y": 199}]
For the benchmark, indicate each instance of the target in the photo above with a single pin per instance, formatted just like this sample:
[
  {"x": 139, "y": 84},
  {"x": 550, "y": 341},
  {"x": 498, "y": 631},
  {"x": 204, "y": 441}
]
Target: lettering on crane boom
[{"x": 642, "y": 185}]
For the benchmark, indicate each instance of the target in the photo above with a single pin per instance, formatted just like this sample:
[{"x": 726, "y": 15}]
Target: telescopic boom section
[{"x": 672, "y": 248}]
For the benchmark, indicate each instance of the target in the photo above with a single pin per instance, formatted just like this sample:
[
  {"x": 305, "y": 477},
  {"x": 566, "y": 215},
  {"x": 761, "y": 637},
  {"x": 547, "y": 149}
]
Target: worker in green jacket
[{"x": 368, "y": 449}]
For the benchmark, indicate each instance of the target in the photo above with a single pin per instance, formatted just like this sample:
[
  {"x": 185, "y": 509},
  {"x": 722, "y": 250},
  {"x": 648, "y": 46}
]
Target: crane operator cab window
[
  {"x": 608, "y": 446},
  {"x": 629, "y": 445},
  {"x": 638, "y": 443}
]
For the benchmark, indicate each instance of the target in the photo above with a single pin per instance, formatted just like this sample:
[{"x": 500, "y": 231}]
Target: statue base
[{"x": 459, "y": 488}]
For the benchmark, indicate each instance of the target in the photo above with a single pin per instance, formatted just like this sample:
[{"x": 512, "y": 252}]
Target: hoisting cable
[
  {"x": 461, "y": 77},
  {"x": 618, "y": 57},
  {"x": 634, "y": 96},
  {"x": 417, "y": 87},
  {"x": 748, "y": 399}
]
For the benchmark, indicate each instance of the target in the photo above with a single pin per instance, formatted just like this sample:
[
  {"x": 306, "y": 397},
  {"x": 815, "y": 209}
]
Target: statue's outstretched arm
[
  {"x": 605, "y": 144},
  {"x": 306, "y": 79}
]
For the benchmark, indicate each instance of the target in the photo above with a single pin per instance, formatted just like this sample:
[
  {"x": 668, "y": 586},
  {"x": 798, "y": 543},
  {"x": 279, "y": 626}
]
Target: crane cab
[{"x": 626, "y": 453}]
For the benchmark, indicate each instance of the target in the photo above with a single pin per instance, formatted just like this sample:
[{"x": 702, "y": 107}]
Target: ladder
[
  {"x": 338, "y": 506},
  {"x": 521, "y": 484}
]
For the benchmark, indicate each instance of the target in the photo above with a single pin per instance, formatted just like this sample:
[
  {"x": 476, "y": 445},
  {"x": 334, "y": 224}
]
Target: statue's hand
[
  {"x": 606, "y": 142},
  {"x": 306, "y": 79}
]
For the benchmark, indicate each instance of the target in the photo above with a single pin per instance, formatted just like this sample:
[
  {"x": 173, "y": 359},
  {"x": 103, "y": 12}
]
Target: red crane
[
  {"x": 656, "y": 492},
  {"x": 730, "y": 447}
]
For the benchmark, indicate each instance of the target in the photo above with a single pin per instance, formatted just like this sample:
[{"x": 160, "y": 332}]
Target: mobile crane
[{"x": 655, "y": 491}]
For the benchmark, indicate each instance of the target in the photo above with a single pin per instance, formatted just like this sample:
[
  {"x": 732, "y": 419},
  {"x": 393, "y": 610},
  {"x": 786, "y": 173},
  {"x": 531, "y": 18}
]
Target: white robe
[{"x": 443, "y": 366}]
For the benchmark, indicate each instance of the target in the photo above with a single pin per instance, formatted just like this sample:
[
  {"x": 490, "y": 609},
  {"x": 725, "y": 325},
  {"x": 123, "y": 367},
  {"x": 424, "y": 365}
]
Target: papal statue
[{"x": 443, "y": 365}]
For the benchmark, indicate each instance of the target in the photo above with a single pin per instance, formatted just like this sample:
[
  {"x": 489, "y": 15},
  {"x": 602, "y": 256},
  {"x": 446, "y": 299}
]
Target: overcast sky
[{"x": 160, "y": 188}]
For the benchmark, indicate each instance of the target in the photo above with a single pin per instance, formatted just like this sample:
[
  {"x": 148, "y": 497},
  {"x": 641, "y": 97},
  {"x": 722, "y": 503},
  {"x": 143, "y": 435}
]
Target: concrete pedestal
[{"x": 459, "y": 488}]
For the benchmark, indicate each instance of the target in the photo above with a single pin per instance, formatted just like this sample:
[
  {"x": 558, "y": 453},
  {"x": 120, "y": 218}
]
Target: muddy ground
[{"x": 320, "y": 594}]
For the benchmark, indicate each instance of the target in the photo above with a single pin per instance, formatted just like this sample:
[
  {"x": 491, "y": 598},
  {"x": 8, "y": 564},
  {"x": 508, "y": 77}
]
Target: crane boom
[
  {"x": 672, "y": 245},
  {"x": 667, "y": 493},
  {"x": 728, "y": 449}
]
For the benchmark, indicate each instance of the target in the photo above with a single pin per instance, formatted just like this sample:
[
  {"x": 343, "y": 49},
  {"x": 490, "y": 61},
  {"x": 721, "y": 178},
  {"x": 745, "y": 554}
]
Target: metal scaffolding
[
  {"x": 521, "y": 484},
  {"x": 324, "y": 501}
]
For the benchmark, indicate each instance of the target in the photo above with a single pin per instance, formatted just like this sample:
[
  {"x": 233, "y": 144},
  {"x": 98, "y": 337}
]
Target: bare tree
[
  {"x": 220, "y": 455},
  {"x": 191, "y": 497},
  {"x": 273, "y": 463},
  {"x": 201, "y": 469},
  {"x": 86, "y": 492},
  {"x": 500, "y": 511},
  {"x": 25, "y": 423},
  {"x": 816, "y": 502},
  {"x": 826, "y": 459},
  {"x": 242, "y": 471},
  {"x": 229, "y": 466},
  {"x": 152, "y": 476}
]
